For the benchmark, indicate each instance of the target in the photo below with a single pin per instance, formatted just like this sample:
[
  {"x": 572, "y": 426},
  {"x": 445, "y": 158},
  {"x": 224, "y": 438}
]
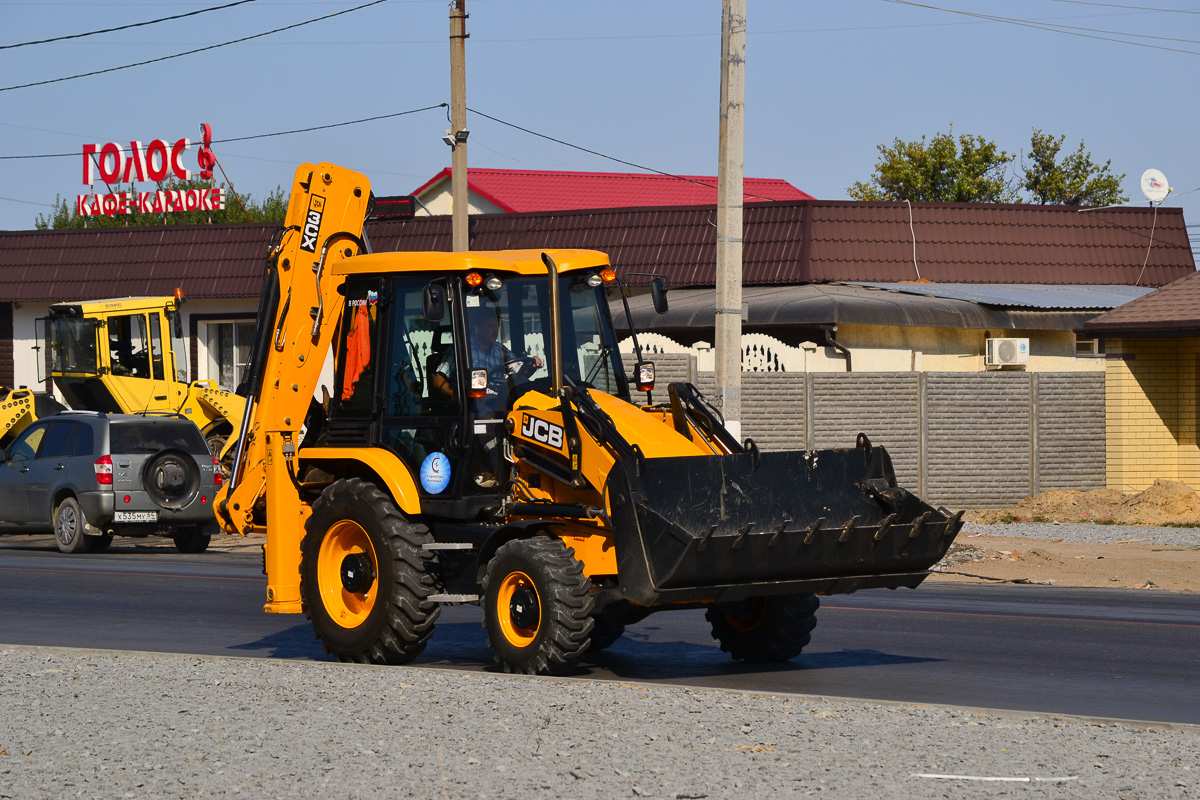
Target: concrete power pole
[
  {"x": 457, "y": 138},
  {"x": 728, "y": 333}
]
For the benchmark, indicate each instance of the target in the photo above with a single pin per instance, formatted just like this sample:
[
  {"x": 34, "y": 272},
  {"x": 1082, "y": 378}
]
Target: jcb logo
[
  {"x": 312, "y": 224},
  {"x": 541, "y": 431}
]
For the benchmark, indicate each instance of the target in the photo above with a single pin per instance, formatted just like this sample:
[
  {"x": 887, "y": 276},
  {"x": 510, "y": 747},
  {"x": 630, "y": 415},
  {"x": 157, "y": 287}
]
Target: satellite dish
[{"x": 1154, "y": 186}]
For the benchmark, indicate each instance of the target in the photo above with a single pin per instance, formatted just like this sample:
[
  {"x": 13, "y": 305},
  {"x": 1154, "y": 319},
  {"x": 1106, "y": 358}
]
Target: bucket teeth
[
  {"x": 884, "y": 526},
  {"x": 847, "y": 528},
  {"x": 916, "y": 526},
  {"x": 740, "y": 537},
  {"x": 812, "y": 530},
  {"x": 953, "y": 524}
]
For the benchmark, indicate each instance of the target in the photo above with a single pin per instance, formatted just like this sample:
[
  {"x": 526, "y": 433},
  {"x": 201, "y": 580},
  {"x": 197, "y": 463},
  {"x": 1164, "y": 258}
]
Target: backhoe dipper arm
[{"x": 324, "y": 223}]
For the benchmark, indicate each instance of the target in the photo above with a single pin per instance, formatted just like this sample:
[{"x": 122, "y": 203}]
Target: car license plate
[{"x": 135, "y": 516}]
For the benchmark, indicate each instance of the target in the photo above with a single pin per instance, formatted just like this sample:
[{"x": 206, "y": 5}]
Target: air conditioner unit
[{"x": 1006, "y": 353}]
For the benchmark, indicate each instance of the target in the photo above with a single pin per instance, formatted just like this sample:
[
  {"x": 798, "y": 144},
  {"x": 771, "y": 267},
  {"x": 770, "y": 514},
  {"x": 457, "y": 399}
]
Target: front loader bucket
[{"x": 723, "y": 528}]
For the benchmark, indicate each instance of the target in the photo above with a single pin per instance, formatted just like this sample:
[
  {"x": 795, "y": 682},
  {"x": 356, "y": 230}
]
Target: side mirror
[
  {"x": 645, "y": 375},
  {"x": 433, "y": 302},
  {"x": 176, "y": 324},
  {"x": 658, "y": 294}
]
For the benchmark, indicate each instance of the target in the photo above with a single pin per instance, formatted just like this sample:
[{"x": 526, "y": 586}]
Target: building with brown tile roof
[
  {"x": 831, "y": 289},
  {"x": 785, "y": 243},
  {"x": 1152, "y": 349}
]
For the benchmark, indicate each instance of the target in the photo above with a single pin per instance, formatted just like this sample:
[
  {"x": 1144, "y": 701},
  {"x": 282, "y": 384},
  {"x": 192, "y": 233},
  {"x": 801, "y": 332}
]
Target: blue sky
[{"x": 826, "y": 82}]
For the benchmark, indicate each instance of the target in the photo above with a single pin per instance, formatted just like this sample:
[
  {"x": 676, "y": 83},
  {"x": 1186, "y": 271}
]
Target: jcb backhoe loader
[
  {"x": 481, "y": 447},
  {"x": 126, "y": 355}
]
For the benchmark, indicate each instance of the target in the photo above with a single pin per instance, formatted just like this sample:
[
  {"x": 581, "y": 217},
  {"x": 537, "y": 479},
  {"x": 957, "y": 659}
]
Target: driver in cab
[{"x": 486, "y": 353}]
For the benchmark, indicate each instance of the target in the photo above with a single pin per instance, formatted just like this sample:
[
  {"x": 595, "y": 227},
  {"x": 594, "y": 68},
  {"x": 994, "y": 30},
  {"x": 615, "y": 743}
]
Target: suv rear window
[{"x": 151, "y": 437}]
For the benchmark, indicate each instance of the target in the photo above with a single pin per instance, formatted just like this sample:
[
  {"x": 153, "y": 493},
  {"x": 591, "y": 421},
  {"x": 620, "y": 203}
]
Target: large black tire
[
  {"x": 536, "y": 607},
  {"x": 605, "y": 635},
  {"x": 765, "y": 629},
  {"x": 363, "y": 579},
  {"x": 69, "y": 526},
  {"x": 216, "y": 439},
  {"x": 192, "y": 539},
  {"x": 98, "y": 544},
  {"x": 171, "y": 479}
]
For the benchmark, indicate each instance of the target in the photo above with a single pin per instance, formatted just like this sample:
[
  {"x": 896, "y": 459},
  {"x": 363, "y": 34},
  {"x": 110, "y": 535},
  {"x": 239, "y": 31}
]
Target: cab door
[{"x": 136, "y": 367}]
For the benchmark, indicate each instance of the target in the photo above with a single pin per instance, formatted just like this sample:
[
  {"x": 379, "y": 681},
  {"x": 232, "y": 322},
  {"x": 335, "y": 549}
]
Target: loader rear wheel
[
  {"x": 363, "y": 579},
  {"x": 765, "y": 629},
  {"x": 536, "y": 607},
  {"x": 605, "y": 635}
]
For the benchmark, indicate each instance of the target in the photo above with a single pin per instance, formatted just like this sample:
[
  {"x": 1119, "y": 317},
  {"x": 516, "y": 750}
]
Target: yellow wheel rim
[
  {"x": 346, "y": 608},
  {"x": 516, "y": 592},
  {"x": 747, "y": 623}
]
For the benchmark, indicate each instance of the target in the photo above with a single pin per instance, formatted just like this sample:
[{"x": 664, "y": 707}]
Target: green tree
[
  {"x": 1075, "y": 180},
  {"x": 945, "y": 169},
  {"x": 272, "y": 208}
]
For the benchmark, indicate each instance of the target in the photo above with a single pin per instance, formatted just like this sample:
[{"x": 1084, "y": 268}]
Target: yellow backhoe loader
[
  {"x": 481, "y": 446},
  {"x": 126, "y": 355}
]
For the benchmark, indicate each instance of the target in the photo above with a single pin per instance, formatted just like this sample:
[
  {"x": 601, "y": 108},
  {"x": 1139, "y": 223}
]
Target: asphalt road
[{"x": 1108, "y": 653}]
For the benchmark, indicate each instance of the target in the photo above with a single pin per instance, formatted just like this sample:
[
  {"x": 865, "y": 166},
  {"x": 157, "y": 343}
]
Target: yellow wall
[
  {"x": 877, "y": 348},
  {"x": 1151, "y": 412}
]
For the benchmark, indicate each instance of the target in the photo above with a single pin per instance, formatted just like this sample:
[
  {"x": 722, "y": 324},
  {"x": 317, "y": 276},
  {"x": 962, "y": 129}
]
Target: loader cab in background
[
  {"x": 94, "y": 348},
  {"x": 433, "y": 378},
  {"x": 127, "y": 355}
]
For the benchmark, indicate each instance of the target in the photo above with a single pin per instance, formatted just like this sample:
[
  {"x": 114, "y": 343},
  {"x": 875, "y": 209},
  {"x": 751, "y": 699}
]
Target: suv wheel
[
  {"x": 69, "y": 526},
  {"x": 192, "y": 539}
]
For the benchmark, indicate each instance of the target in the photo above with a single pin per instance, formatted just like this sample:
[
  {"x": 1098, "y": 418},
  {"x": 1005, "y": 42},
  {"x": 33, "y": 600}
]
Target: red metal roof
[
  {"x": 520, "y": 190},
  {"x": 784, "y": 244}
]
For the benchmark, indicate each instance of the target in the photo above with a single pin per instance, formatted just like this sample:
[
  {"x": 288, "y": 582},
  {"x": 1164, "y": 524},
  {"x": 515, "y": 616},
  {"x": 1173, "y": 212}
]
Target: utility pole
[
  {"x": 457, "y": 136},
  {"x": 728, "y": 328}
]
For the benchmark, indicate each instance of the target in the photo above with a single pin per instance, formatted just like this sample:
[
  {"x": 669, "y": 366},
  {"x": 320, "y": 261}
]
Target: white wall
[
  {"x": 26, "y": 358},
  {"x": 439, "y": 200}
]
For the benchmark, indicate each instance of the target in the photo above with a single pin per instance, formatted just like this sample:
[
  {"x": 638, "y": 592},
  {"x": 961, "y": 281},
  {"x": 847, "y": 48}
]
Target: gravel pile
[
  {"x": 1086, "y": 532},
  {"x": 77, "y": 723}
]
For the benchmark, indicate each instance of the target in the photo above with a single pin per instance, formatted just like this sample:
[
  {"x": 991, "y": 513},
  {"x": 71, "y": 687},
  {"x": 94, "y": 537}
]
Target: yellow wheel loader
[
  {"x": 20, "y": 407},
  {"x": 126, "y": 355},
  {"x": 482, "y": 446}
]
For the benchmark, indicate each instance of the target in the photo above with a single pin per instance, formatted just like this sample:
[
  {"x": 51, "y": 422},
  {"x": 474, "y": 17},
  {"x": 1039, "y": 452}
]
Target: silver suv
[{"x": 87, "y": 475}]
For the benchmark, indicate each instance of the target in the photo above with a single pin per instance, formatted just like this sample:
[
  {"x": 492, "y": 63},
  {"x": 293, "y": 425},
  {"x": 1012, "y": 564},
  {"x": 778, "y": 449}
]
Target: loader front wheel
[
  {"x": 363, "y": 578},
  {"x": 536, "y": 607},
  {"x": 765, "y": 629}
]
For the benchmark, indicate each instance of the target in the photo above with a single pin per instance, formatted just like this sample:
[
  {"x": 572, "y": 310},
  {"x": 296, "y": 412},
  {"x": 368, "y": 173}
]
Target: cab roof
[
  {"x": 524, "y": 262},
  {"x": 116, "y": 304}
]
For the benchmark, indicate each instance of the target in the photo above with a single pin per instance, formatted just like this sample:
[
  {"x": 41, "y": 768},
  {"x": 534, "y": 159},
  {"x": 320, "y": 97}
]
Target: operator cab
[
  {"x": 90, "y": 347},
  {"x": 450, "y": 359}
]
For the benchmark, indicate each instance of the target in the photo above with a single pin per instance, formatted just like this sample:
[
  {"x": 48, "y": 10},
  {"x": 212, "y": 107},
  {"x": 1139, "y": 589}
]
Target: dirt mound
[{"x": 1164, "y": 503}]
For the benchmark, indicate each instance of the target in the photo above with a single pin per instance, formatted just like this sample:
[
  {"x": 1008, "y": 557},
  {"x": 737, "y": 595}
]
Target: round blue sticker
[{"x": 435, "y": 472}]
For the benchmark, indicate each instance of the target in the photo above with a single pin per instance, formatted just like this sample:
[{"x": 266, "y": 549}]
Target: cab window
[{"x": 128, "y": 346}]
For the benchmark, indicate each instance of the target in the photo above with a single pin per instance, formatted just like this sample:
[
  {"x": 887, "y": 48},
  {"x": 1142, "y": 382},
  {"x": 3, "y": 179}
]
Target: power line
[
  {"x": 126, "y": 27},
  {"x": 1122, "y": 6},
  {"x": 1053, "y": 28},
  {"x": 193, "y": 52},
  {"x": 255, "y": 136},
  {"x": 605, "y": 156}
]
